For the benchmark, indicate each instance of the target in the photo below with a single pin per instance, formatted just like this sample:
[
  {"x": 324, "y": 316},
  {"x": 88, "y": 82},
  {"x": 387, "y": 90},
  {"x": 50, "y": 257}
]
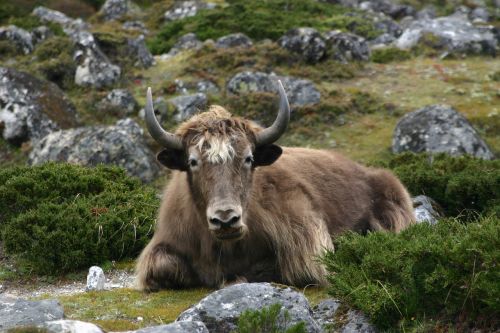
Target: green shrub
[
  {"x": 495, "y": 76},
  {"x": 448, "y": 272},
  {"x": 29, "y": 23},
  {"x": 459, "y": 184},
  {"x": 389, "y": 54},
  {"x": 257, "y": 19},
  {"x": 268, "y": 320},
  {"x": 58, "y": 218}
]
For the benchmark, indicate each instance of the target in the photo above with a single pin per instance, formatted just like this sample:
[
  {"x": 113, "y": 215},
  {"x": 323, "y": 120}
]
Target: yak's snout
[{"x": 225, "y": 221}]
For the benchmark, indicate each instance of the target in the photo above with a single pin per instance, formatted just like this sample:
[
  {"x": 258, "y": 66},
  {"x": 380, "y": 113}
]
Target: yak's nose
[{"x": 224, "y": 218}]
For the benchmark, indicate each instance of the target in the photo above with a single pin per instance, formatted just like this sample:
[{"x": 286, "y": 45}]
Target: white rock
[{"x": 95, "y": 279}]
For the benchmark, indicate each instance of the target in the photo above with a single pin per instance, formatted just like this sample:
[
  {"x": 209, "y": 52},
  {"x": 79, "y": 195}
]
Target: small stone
[
  {"x": 177, "y": 327},
  {"x": 234, "y": 40},
  {"x": 118, "y": 101},
  {"x": 95, "y": 279},
  {"x": 306, "y": 42},
  {"x": 40, "y": 34},
  {"x": 183, "y": 9},
  {"x": 426, "y": 209}
]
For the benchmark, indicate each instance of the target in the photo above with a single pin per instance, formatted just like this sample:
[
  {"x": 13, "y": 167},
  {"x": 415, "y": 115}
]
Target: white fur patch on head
[{"x": 217, "y": 150}]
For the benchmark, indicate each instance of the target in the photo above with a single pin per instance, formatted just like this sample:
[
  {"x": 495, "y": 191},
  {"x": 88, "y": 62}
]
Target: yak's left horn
[
  {"x": 276, "y": 130},
  {"x": 166, "y": 139}
]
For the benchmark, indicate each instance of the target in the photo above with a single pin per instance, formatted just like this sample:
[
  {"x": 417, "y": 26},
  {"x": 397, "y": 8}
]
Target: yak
[{"x": 240, "y": 208}]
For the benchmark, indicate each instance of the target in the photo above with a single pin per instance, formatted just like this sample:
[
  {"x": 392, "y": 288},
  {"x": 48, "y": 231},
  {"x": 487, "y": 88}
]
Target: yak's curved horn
[
  {"x": 166, "y": 139},
  {"x": 273, "y": 133}
]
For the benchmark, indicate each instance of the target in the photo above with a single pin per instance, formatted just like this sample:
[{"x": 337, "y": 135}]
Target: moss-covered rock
[
  {"x": 60, "y": 217},
  {"x": 389, "y": 54}
]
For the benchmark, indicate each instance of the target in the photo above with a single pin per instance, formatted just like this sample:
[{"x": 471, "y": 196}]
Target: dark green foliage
[
  {"x": 448, "y": 272},
  {"x": 389, "y": 54},
  {"x": 459, "y": 184},
  {"x": 61, "y": 217},
  {"x": 8, "y": 49},
  {"x": 55, "y": 61},
  {"x": 268, "y": 320},
  {"x": 260, "y": 19}
]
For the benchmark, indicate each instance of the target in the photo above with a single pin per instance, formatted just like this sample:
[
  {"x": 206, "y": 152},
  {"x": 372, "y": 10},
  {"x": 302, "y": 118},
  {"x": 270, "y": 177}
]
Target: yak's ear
[
  {"x": 173, "y": 159},
  {"x": 266, "y": 155}
]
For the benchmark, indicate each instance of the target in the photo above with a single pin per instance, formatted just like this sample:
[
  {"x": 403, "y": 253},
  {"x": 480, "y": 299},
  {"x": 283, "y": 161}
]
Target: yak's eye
[
  {"x": 193, "y": 163},
  {"x": 248, "y": 160}
]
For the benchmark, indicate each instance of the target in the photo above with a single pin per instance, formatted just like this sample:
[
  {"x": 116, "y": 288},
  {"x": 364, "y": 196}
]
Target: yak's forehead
[
  {"x": 216, "y": 149},
  {"x": 217, "y": 135}
]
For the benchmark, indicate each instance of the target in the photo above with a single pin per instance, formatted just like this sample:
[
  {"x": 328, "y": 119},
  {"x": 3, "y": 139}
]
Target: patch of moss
[
  {"x": 119, "y": 309},
  {"x": 389, "y": 54},
  {"x": 447, "y": 272},
  {"x": 361, "y": 26},
  {"x": 59, "y": 217},
  {"x": 27, "y": 329},
  {"x": 8, "y": 49}
]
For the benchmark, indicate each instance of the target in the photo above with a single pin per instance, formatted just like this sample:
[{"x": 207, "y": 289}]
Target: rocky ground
[{"x": 368, "y": 78}]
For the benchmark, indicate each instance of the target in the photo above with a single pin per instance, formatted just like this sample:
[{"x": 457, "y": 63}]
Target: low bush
[
  {"x": 447, "y": 272},
  {"x": 58, "y": 218},
  {"x": 268, "y": 320},
  {"x": 461, "y": 185}
]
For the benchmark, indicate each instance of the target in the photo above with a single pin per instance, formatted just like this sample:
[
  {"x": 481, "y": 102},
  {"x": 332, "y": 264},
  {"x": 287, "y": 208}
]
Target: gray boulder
[
  {"x": 139, "y": 51},
  {"x": 187, "y": 105},
  {"x": 426, "y": 209},
  {"x": 455, "y": 33},
  {"x": 69, "y": 326},
  {"x": 94, "y": 68},
  {"x": 221, "y": 309},
  {"x": 307, "y": 42},
  {"x": 183, "y": 9},
  {"x": 300, "y": 92},
  {"x": 121, "y": 144},
  {"x": 331, "y": 318},
  {"x": 346, "y": 47},
  {"x": 68, "y": 24},
  {"x": 116, "y": 9},
  {"x": 233, "y": 40},
  {"x": 19, "y": 37},
  {"x": 31, "y": 108},
  {"x": 16, "y": 312},
  {"x": 388, "y": 7},
  {"x": 119, "y": 102},
  {"x": 177, "y": 327},
  {"x": 438, "y": 129}
]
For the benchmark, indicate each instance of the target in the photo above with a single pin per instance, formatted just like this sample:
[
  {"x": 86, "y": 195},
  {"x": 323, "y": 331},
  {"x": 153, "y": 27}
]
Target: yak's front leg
[{"x": 160, "y": 267}]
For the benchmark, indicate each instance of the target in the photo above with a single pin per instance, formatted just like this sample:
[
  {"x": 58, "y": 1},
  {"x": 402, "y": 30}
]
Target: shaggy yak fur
[{"x": 287, "y": 204}]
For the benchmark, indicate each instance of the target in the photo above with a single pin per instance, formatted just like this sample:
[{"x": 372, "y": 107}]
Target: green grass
[
  {"x": 272, "y": 319},
  {"x": 447, "y": 273}
]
